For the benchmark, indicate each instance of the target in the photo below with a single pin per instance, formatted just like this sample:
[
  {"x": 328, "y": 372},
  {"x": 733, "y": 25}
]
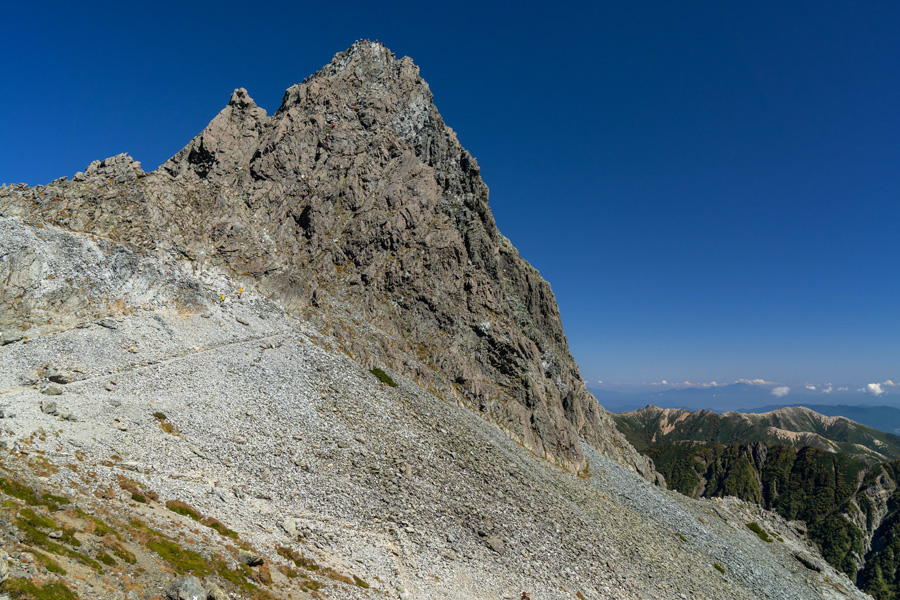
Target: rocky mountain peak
[
  {"x": 355, "y": 206},
  {"x": 370, "y": 61}
]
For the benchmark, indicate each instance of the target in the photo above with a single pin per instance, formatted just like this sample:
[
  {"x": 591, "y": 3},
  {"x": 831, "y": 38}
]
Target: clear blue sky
[{"x": 710, "y": 187}]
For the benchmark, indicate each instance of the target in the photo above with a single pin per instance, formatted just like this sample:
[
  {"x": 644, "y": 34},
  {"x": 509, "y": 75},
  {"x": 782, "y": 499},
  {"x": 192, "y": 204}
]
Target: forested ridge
[{"x": 848, "y": 501}]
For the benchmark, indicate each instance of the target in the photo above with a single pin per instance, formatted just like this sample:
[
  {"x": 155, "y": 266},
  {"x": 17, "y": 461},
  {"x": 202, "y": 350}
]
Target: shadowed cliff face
[{"x": 355, "y": 206}]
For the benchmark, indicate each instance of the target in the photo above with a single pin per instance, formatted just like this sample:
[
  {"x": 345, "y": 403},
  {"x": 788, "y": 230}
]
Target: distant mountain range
[
  {"x": 719, "y": 398},
  {"x": 749, "y": 398},
  {"x": 794, "y": 426},
  {"x": 883, "y": 418},
  {"x": 839, "y": 476}
]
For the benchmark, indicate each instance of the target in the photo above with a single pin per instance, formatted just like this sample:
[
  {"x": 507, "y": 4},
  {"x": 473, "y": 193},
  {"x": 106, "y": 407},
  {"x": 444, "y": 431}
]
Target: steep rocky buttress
[{"x": 355, "y": 206}]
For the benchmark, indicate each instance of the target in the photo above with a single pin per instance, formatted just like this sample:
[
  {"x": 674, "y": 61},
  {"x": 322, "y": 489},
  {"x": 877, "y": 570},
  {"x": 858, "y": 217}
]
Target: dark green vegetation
[
  {"x": 703, "y": 454},
  {"x": 759, "y": 531},
  {"x": 184, "y": 509},
  {"x": 383, "y": 377},
  {"x": 29, "y": 496},
  {"x": 25, "y": 589},
  {"x": 163, "y": 423}
]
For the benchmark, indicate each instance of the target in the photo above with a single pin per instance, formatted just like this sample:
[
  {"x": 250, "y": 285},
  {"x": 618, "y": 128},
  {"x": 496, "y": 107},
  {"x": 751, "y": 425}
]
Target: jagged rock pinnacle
[
  {"x": 356, "y": 206},
  {"x": 241, "y": 99}
]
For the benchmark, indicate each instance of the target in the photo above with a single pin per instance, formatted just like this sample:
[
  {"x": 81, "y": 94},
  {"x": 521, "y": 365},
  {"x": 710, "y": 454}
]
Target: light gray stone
[
  {"x": 186, "y": 588},
  {"x": 52, "y": 390}
]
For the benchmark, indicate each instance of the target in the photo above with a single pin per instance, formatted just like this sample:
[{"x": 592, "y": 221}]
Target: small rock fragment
[
  {"x": 9, "y": 337},
  {"x": 4, "y": 565},
  {"x": 251, "y": 559},
  {"x": 289, "y": 525},
  {"x": 48, "y": 407},
  {"x": 186, "y": 588},
  {"x": 214, "y": 592},
  {"x": 495, "y": 543},
  {"x": 61, "y": 376},
  {"x": 808, "y": 561},
  {"x": 52, "y": 390}
]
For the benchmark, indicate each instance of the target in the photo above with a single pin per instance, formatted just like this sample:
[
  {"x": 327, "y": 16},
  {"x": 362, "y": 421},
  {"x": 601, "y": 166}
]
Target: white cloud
[
  {"x": 828, "y": 389},
  {"x": 810, "y": 386},
  {"x": 755, "y": 382},
  {"x": 781, "y": 391},
  {"x": 687, "y": 384},
  {"x": 843, "y": 389},
  {"x": 889, "y": 383},
  {"x": 874, "y": 389}
]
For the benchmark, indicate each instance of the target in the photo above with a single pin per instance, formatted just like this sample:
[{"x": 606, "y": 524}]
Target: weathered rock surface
[
  {"x": 223, "y": 313},
  {"x": 353, "y": 203},
  {"x": 265, "y": 424},
  {"x": 186, "y": 588}
]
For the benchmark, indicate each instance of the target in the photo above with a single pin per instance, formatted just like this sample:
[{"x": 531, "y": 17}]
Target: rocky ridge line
[{"x": 355, "y": 205}]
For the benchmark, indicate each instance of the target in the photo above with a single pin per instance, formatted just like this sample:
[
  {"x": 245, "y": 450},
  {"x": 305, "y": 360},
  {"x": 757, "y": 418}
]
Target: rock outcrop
[
  {"x": 249, "y": 373},
  {"x": 356, "y": 207}
]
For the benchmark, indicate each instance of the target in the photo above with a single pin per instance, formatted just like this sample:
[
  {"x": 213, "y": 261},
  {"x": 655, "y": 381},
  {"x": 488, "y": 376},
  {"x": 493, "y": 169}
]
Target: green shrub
[
  {"x": 25, "y": 588},
  {"x": 184, "y": 509},
  {"x": 180, "y": 559},
  {"x": 759, "y": 531},
  {"x": 47, "y": 562},
  {"x": 383, "y": 377}
]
